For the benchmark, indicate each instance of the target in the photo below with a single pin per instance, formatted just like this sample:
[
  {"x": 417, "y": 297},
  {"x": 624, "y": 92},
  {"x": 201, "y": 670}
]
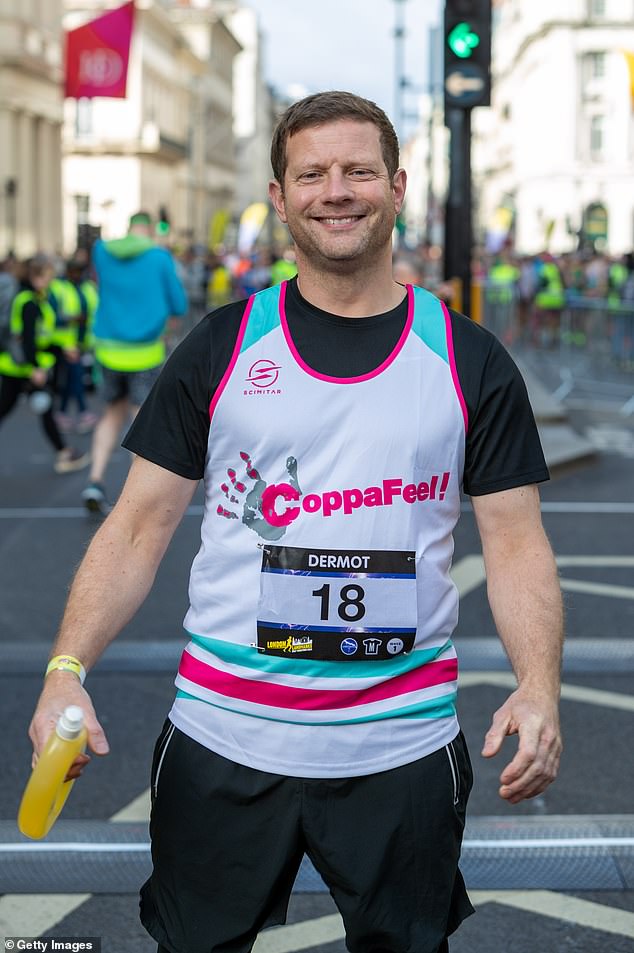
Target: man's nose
[{"x": 338, "y": 187}]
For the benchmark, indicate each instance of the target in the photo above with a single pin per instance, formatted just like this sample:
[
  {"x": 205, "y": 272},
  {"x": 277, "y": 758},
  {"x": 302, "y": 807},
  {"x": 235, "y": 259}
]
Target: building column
[
  {"x": 7, "y": 176},
  {"x": 26, "y": 235}
]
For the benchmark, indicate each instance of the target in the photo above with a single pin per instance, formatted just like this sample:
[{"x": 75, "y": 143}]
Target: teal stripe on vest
[
  {"x": 248, "y": 657},
  {"x": 429, "y": 322},
  {"x": 264, "y": 317},
  {"x": 442, "y": 707}
]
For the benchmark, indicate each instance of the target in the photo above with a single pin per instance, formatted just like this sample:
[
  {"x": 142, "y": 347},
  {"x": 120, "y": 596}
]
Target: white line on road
[
  {"x": 73, "y": 847},
  {"x": 33, "y": 914},
  {"x": 576, "y": 693},
  {"x": 301, "y": 936},
  {"x": 597, "y": 588},
  {"x": 548, "y": 903}
]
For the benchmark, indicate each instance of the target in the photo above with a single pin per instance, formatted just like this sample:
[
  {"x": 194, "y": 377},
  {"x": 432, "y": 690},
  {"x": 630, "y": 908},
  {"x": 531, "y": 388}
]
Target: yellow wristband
[{"x": 66, "y": 663}]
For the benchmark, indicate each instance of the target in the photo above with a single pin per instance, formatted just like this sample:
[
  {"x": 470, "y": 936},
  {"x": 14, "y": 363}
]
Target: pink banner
[{"x": 97, "y": 55}]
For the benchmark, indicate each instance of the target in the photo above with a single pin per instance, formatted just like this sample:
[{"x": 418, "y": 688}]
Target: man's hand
[
  {"x": 38, "y": 376},
  {"x": 536, "y": 762},
  {"x": 60, "y": 690}
]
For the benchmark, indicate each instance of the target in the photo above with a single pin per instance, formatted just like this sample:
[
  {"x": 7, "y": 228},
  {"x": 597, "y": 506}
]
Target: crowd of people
[
  {"x": 48, "y": 308},
  {"x": 50, "y": 356}
]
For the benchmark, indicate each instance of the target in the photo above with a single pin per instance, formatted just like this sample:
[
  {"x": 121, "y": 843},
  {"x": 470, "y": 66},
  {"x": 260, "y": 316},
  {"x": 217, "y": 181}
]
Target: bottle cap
[{"x": 70, "y": 723}]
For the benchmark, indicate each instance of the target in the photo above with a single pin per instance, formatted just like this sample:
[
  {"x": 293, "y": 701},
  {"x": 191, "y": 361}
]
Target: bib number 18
[{"x": 350, "y": 608}]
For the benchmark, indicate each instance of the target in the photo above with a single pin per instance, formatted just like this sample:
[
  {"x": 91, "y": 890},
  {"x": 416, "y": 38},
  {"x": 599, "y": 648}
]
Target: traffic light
[
  {"x": 467, "y": 53},
  {"x": 163, "y": 223}
]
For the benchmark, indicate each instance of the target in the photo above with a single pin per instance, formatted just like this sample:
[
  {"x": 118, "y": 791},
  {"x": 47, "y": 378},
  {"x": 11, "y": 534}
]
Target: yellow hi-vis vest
[
  {"x": 44, "y": 334},
  {"x": 130, "y": 356}
]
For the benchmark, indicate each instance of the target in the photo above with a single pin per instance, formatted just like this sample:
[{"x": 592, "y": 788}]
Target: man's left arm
[{"x": 525, "y": 599}]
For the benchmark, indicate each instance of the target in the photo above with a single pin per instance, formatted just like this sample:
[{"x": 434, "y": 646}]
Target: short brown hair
[{"x": 328, "y": 107}]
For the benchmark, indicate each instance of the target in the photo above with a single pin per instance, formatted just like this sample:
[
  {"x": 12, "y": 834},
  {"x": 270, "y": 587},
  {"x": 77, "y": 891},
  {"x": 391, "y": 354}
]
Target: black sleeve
[
  {"x": 30, "y": 316},
  {"x": 503, "y": 448},
  {"x": 172, "y": 426}
]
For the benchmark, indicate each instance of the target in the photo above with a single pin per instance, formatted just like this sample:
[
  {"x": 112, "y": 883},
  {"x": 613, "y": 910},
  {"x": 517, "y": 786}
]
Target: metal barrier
[{"x": 589, "y": 342}]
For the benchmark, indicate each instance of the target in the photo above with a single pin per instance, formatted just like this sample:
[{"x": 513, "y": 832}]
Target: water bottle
[
  {"x": 46, "y": 791},
  {"x": 40, "y": 401}
]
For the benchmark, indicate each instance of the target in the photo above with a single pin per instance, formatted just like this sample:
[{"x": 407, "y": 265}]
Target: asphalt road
[{"x": 553, "y": 897}]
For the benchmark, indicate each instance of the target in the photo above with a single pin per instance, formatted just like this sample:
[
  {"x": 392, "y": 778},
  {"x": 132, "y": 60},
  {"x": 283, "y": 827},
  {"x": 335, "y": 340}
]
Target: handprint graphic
[{"x": 258, "y": 504}]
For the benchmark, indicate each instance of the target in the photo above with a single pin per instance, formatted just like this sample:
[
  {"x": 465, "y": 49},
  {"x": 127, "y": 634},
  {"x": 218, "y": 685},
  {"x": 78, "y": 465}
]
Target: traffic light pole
[{"x": 458, "y": 224}]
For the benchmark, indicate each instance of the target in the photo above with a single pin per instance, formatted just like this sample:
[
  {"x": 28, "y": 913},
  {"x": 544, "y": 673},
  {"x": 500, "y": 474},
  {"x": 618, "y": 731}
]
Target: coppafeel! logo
[{"x": 263, "y": 373}]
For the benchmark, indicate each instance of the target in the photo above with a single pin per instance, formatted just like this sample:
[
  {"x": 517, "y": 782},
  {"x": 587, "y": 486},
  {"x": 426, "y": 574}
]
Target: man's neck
[{"x": 356, "y": 295}]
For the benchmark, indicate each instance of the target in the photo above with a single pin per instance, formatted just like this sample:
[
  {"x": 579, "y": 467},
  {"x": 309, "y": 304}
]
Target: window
[
  {"x": 597, "y": 137},
  {"x": 596, "y": 65},
  {"x": 82, "y": 208},
  {"x": 596, "y": 8},
  {"x": 83, "y": 117}
]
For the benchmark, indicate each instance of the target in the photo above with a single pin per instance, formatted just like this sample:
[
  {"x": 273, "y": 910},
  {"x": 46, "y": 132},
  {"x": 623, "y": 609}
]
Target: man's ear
[
  {"x": 276, "y": 195},
  {"x": 399, "y": 184}
]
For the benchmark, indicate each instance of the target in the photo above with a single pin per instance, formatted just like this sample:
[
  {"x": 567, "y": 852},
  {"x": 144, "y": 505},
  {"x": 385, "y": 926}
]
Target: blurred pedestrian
[
  {"x": 284, "y": 266},
  {"x": 74, "y": 308},
  {"x": 549, "y": 301},
  {"x": 139, "y": 290},
  {"x": 316, "y": 699},
  {"x": 27, "y": 362}
]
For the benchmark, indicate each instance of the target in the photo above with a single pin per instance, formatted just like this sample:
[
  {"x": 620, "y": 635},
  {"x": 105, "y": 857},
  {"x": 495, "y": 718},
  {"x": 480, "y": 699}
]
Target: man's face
[{"x": 337, "y": 198}]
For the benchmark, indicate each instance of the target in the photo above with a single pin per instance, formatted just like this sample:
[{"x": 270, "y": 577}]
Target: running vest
[
  {"x": 44, "y": 334},
  {"x": 321, "y": 607}
]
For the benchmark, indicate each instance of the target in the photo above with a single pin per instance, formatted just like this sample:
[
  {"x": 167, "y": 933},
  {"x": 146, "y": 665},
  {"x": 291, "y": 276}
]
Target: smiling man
[{"x": 315, "y": 708}]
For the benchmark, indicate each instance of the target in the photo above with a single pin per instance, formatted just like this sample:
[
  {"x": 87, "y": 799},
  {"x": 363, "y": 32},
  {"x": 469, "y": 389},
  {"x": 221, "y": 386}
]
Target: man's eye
[
  {"x": 361, "y": 173},
  {"x": 309, "y": 175}
]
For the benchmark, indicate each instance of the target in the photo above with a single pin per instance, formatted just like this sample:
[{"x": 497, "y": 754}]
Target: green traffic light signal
[{"x": 462, "y": 40}]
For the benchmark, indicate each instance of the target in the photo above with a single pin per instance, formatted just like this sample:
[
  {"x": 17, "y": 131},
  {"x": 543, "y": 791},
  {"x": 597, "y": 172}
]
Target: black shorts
[
  {"x": 126, "y": 385},
  {"x": 227, "y": 842}
]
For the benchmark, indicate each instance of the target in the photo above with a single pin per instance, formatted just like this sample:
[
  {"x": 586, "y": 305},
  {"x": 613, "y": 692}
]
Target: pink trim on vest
[
  {"x": 234, "y": 357},
  {"x": 452, "y": 365},
  {"x": 311, "y": 699},
  {"x": 346, "y": 380}
]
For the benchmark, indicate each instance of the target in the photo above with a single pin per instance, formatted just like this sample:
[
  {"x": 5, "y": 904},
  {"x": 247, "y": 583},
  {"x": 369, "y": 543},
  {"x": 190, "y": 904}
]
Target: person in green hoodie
[{"x": 139, "y": 290}]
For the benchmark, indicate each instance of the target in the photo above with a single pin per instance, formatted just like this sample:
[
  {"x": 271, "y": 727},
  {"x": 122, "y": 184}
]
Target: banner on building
[{"x": 97, "y": 55}]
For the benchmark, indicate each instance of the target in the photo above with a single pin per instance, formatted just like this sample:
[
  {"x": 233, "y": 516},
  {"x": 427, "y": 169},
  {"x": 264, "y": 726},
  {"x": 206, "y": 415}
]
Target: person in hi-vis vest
[{"x": 28, "y": 360}]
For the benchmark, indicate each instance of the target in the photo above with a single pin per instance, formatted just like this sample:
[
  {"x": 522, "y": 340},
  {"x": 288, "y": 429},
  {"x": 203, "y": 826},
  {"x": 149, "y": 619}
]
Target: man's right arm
[{"x": 111, "y": 583}]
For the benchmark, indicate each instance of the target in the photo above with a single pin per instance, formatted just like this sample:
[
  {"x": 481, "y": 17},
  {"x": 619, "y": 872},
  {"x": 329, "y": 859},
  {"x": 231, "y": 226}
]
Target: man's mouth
[{"x": 347, "y": 220}]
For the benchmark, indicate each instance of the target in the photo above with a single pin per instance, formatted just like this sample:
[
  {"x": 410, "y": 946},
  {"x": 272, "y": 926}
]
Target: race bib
[{"x": 336, "y": 605}]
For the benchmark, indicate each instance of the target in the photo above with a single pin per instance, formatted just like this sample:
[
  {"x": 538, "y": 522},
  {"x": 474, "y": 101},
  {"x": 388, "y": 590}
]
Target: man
[
  {"x": 139, "y": 290},
  {"x": 315, "y": 707}
]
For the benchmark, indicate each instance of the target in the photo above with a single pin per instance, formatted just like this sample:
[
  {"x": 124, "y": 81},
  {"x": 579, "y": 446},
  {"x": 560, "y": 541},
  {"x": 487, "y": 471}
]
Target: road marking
[
  {"x": 548, "y": 903},
  {"x": 136, "y": 810},
  {"x": 33, "y": 914},
  {"x": 74, "y": 847},
  {"x": 468, "y": 573},
  {"x": 301, "y": 936},
  {"x": 597, "y": 588},
  {"x": 577, "y": 693},
  {"x": 613, "y": 562}
]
